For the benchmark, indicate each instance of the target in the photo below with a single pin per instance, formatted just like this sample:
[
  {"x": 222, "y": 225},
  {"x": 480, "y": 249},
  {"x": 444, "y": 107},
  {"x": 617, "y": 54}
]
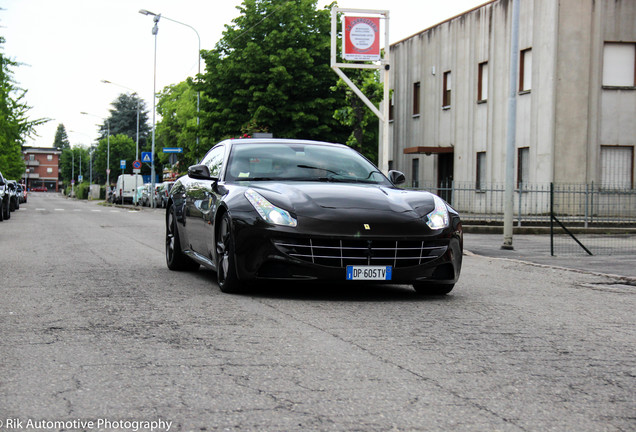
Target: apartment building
[
  {"x": 42, "y": 167},
  {"x": 576, "y": 95}
]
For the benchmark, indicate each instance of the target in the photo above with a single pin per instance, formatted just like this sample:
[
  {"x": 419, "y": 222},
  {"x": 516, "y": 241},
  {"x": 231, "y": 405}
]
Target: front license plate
[{"x": 369, "y": 272}]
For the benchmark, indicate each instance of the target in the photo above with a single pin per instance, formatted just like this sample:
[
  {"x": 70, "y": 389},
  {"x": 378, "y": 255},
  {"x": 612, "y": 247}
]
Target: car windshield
[{"x": 300, "y": 162}]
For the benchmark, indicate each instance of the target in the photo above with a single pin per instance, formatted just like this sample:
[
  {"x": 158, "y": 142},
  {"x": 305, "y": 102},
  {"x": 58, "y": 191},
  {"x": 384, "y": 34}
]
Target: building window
[
  {"x": 391, "y": 106},
  {"x": 619, "y": 64},
  {"x": 31, "y": 157},
  {"x": 617, "y": 167},
  {"x": 416, "y": 98},
  {"x": 415, "y": 172},
  {"x": 390, "y": 165},
  {"x": 49, "y": 157},
  {"x": 446, "y": 95},
  {"x": 480, "y": 181},
  {"x": 482, "y": 82},
  {"x": 49, "y": 170},
  {"x": 525, "y": 70},
  {"x": 523, "y": 165}
]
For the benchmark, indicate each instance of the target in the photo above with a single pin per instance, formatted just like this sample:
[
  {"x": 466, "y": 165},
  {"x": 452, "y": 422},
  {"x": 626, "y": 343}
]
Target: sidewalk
[{"x": 535, "y": 248}]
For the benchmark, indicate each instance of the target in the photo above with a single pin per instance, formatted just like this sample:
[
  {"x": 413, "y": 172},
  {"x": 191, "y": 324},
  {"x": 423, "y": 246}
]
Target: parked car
[
  {"x": 22, "y": 193},
  {"x": 39, "y": 189},
  {"x": 268, "y": 209},
  {"x": 145, "y": 195},
  {"x": 157, "y": 194},
  {"x": 14, "y": 200},
  {"x": 5, "y": 199}
]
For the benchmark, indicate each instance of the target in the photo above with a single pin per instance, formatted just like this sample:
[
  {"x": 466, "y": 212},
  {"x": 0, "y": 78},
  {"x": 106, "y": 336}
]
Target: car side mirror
[
  {"x": 201, "y": 172},
  {"x": 397, "y": 177}
]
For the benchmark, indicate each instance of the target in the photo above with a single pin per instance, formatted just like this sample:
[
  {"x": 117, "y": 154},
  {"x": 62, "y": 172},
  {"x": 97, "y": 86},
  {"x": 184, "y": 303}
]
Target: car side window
[{"x": 214, "y": 160}]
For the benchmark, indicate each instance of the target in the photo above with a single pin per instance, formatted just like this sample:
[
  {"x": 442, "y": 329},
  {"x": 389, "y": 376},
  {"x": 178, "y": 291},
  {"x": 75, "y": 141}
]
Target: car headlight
[
  {"x": 268, "y": 211},
  {"x": 438, "y": 218}
]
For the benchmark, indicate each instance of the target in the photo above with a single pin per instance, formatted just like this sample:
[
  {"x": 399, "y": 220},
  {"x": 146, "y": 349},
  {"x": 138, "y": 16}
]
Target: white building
[{"x": 576, "y": 99}]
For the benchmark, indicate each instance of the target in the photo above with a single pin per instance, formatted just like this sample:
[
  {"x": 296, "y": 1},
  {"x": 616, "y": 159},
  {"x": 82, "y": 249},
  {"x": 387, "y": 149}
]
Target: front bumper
[{"x": 263, "y": 253}]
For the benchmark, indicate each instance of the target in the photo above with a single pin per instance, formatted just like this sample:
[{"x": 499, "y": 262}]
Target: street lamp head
[
  {"x": 146, "y": 12},
  {"x": 106, "y": 82}
]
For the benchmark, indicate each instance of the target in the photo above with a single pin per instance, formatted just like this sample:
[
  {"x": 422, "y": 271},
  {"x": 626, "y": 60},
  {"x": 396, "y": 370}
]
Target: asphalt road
[{"x": 97, "y": 334}]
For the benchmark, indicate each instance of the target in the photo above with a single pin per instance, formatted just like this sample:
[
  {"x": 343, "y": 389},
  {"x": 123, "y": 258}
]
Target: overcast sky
[{"x": 67, "y": 47}]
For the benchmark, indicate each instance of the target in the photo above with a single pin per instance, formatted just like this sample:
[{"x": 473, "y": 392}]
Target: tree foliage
[
  {"x": 363, "y": 123},
  {"x": 73, "y": 163},
  {"x": 15, "y": 126},
  {"x": 123, "y": 119},
  {"x": 177, "y": 107},
  {"x": 122, "y": 147},
  {"x": 61, "y": 141},
  {"x": 270, "y": 72}
]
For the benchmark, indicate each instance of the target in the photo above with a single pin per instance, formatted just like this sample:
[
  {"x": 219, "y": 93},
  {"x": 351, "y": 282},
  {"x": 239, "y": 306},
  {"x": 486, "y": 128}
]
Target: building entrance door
[{"x": 445, "y": 176}]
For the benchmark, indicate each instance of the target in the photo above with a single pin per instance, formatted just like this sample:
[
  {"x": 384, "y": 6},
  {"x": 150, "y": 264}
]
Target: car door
[{"x": 200, "y": 203}]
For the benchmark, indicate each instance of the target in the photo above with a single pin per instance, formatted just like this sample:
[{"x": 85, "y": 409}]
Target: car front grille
[{"x": 344, "y": 252}]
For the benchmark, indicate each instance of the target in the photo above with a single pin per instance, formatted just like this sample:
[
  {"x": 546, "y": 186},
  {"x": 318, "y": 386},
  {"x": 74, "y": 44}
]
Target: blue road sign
[
  {"x": 173, "y": 149},
  {"x": 122, "y": 164},
  {"x": 146, "y": 157}
]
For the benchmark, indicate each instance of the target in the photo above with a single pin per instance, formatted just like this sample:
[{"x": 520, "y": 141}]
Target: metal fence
[
  {"x": 584, "y": 205},
  {"x": 604, "y": 216}
]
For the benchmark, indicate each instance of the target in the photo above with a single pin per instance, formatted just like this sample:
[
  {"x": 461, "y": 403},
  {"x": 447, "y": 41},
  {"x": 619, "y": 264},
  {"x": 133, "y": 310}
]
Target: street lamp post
[
  {"x": 137, "y": 144},
  {"x": 72, "y": 172},
  {"x": 91, "y": 148},
  {"x": 107, "y": 147},
  {"x": 156, "y": 19}
]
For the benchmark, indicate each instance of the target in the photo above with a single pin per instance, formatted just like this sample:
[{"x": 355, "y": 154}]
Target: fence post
[
  {"x": 551, "y": 219},
  {"x": 520, "y": 198},
  {"x": 587, "y": 196},
  {"x": 592, "y": 205}
]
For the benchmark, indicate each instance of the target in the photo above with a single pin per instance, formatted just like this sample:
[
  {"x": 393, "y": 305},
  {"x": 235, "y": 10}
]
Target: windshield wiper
[{"x": 318, "y": 168}]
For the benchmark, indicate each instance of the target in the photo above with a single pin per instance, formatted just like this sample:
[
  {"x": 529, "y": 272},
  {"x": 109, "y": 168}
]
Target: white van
[{"x": 126, "y": 188}]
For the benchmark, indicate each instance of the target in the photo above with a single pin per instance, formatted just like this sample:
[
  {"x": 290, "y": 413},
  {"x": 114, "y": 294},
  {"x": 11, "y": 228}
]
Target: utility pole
[{"x": 511, "y": 130}]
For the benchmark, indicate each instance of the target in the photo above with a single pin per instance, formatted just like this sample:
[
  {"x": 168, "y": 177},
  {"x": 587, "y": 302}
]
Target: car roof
[{"x": 242, "y": 141}]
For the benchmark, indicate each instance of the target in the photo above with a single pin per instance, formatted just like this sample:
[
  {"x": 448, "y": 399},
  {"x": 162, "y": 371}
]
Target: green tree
[
  {"x": 15, "y": 126},
  {"x": 270, "y": 72},
  {"x": 123, "y": 119},
  {"x": 122, "y": 147},
  {"x": 178, "y": 125},
  {"x": 363, "y": 123},
  {"x": 61, "y": 141},
  {"x": 70, "y": 161}
]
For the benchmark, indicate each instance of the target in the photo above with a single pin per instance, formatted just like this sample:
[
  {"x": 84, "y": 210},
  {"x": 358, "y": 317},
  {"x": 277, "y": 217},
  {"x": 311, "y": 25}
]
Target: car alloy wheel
[
  {"x": 225, "y": 267},
  {"x": 175, "y": 258}
]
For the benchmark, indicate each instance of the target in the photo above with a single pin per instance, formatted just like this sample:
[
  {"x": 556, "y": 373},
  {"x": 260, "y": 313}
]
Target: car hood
[{"x": 312, "y": 198}]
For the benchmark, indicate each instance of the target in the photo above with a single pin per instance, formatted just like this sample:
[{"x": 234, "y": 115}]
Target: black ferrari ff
[{"x": 295, "y": 210}]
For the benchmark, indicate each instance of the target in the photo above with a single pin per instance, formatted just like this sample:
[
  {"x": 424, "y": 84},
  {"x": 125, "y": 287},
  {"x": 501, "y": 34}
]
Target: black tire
[
  {"x": 225, "y": 265},
  {"x": 7, "y": 210},
  {"x": 175, "y": 258},
  {"x": 1, "y": 211},
  {"x": 433, "y": 289}
]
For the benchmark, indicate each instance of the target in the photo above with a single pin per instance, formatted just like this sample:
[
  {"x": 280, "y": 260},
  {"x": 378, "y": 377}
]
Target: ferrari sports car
[{"x": 277, "y": 209}]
